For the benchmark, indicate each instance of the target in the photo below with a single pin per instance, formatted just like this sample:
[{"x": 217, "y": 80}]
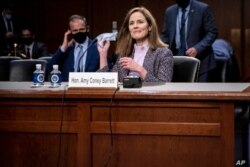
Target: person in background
[
  {"x": 78, "y": 53},
  {"x": 190, "y": 29},
  {"x": 140, "y": 50},
  {"x": 31, "y": 48},
  {"x": 10, "y": 26}
]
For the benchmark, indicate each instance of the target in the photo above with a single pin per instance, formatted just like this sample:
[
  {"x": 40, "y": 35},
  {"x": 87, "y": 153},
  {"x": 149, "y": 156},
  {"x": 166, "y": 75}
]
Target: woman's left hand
[{"x": 129, "y": 63}]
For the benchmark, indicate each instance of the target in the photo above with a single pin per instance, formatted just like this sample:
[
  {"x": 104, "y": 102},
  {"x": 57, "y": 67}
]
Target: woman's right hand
[{"x": 103, "y": 50}]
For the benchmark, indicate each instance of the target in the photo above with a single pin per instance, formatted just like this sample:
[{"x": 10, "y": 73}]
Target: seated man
[
  {"x": 78, "y": 53},
  {"x": 31, "y": 49}
]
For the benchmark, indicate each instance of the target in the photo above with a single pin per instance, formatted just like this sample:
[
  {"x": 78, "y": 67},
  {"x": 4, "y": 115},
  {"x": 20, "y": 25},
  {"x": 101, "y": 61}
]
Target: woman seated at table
[{"x": 140, "y": 50}]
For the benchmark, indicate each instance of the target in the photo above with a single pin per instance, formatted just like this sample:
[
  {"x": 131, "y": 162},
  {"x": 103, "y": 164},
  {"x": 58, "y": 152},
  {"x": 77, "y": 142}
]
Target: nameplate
[{"x": 93, "y": 79}]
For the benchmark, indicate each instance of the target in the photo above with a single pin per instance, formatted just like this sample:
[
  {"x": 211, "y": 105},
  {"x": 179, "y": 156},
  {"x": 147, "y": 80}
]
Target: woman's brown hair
[{"x": 124, "y": 40}]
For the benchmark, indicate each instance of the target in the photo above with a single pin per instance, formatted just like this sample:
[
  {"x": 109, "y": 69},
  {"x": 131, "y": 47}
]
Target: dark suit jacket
[
  {"x": 201, "y": 32},
  {"x": 65, "y": 60},
  {"x": 39, "y": 50}
]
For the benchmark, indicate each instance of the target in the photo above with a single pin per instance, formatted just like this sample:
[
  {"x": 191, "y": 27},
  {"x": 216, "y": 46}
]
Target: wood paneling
[
  {"x": 37, "y": 149},
  {"x": 80, "y": 127},
  {"x": 144, "y": 133},
  {"x": 246, "y": 35}
]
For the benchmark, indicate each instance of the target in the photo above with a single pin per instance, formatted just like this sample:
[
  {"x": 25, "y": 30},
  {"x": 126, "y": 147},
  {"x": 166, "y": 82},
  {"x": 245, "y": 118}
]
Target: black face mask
[
  {"x": 183, "y": 3},
  {"x": 27, "y": 41},
  {"x": 80, "y": 37}
]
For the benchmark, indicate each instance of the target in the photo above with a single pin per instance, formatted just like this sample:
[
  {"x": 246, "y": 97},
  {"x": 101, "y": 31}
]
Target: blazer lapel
[
  {"x": 147, "y": 60},
  {"x": 191, "y": 16},
  {"x": 71, "y": 58},
  {"x": 173, "y": 24}
]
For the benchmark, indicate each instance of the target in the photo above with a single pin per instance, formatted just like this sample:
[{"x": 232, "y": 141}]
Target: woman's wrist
[{"x": 143, "y": 72}]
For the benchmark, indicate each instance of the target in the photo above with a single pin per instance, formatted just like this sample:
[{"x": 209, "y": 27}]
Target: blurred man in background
[
  {"x": 10, "y": 27},
  {"x": 30, "y": 47}
]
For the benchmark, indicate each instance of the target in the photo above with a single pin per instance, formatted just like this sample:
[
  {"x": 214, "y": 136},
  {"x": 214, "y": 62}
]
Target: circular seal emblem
[
  {"x": 40, "y": 78},
  {"x": 54, "y": 78}
]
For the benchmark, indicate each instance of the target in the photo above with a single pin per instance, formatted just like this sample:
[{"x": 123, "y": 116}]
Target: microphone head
[{"x": 114, "y": 26}]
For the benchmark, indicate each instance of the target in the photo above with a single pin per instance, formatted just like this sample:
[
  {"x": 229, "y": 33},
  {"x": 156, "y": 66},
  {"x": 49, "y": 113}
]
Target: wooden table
[{"x": 164, "y": 125}]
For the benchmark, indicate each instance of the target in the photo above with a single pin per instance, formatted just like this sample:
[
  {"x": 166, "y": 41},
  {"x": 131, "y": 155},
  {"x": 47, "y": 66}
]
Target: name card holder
[{"x": 93, "y": 80}]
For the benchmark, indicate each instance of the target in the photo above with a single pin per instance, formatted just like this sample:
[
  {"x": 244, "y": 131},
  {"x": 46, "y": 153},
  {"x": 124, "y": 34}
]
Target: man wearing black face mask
[
  {"x": 78, "y": 53},
  {"x": 31, "y": 48},
  {"x": 190, "y": 29}
]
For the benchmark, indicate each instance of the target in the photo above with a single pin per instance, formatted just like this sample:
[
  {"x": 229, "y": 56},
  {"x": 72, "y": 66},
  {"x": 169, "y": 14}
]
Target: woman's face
[{"x": 138, "y": 27}]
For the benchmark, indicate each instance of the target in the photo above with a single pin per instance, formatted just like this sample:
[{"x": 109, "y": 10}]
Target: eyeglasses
[{"x": 79, "y": 30}]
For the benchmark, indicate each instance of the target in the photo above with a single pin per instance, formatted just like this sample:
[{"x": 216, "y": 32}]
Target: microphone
[
  {"x": 132, "y": 82},
  {"x": 106, "y": 37},
  {"x": 114, "y": 26},
  {"x": 77, "y": 64}
]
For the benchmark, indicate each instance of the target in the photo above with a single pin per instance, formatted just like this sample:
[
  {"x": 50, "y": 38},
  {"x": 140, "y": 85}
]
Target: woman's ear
[{"x": 149, "y": 28}]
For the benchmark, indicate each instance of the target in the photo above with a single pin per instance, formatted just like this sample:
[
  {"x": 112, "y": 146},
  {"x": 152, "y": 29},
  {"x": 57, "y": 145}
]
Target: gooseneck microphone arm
[{"x": 92, "y": 43}]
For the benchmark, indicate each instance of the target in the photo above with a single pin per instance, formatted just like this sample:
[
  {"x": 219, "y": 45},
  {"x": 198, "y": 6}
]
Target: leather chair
[
  {"x": 5, "y": 66},
  {"x": 220, "y": 72},
  {"x": 186, "y": 69},
  {"x": 47, "y": 58},
  {"x": 227, "y": 67},
  {"x": 22, "y": 70}
]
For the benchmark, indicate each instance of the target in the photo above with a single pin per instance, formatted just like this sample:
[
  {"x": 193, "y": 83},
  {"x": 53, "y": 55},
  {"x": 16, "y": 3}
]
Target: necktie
[
  {"x": 9, "y": 28},
  {"x": 28, "y": 53},
  {"x": 78, "y": 63},
  {"x": 182, "y": 48}
]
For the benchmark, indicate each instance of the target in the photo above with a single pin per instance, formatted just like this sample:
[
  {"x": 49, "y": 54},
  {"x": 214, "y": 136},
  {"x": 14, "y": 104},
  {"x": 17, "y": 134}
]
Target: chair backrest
[
  {"x": 22, "y": 70},
  {"x": 5, "y": 66},
  {"x": 47, "y": 58},
  {"x": 220, "y": 71},
  {"x": 186, "y": 69}
]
